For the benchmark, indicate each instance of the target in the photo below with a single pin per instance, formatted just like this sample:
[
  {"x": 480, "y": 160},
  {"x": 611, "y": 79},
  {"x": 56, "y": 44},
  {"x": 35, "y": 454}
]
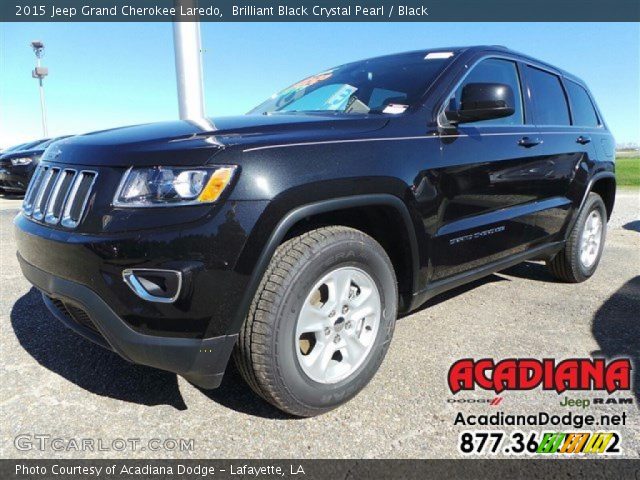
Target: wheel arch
[
  {"x": 319, "y": 213},
  {"x": 604, "y": 184}
]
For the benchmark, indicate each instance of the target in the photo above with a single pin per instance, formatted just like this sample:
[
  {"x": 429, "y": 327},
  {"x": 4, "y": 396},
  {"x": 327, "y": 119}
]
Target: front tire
[
  {"x": 579, "y": 258},
  {"x": 321, "y": 321}
]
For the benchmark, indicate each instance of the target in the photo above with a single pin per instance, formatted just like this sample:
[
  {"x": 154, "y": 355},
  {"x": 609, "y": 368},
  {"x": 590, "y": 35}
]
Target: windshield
[{"x": 386, "y": 85}]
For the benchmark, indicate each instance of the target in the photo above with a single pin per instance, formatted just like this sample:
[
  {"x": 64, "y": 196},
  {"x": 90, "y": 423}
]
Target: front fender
[{"x": 264, "y": 241}]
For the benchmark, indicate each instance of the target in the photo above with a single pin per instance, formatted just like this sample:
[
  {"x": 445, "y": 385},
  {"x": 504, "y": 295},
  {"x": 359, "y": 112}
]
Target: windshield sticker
[
  {"x": 340, "y": 98},
  {"x": 395, "y": 108},
  {"x": 436, "y": 55},
  {"x": 289, "y": 97},
  {"x": 307, "y": 82}
]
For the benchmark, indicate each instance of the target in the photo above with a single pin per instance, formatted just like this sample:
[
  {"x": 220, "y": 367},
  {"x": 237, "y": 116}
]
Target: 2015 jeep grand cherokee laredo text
[{"x": 292, "y": 237}]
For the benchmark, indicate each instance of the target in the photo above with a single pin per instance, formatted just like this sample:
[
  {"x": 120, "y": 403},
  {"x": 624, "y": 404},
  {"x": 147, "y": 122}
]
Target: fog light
[{"x": 154, "y": 285}]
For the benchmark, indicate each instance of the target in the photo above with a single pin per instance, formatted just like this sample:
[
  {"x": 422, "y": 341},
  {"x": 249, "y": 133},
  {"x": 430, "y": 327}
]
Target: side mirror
[{"x": 483, "y": 101}]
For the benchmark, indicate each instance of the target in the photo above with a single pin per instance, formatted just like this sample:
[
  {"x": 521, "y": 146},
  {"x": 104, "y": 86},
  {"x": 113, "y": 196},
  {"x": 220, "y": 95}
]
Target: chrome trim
[
  {"x": 27, "y": 207},
  {"x": 71, "y": 198},
  {"x": 349, "y": 140},
  {"x": 49, "y": 216},
  {"x": 420, "y": 137},
  {"x": 38, "y": 210},
  {"x": 129, "y": 277}
]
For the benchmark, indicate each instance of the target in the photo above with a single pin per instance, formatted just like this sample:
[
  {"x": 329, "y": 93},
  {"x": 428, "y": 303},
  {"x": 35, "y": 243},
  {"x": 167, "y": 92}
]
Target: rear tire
[
  {"x": 579, "y": 258},
  {"x": 301, "y": 290}
]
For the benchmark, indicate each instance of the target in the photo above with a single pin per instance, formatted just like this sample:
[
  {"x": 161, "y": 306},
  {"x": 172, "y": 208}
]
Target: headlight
[
  {"x": 21, "y": 161},
  {"x": 169, "y": 186}
]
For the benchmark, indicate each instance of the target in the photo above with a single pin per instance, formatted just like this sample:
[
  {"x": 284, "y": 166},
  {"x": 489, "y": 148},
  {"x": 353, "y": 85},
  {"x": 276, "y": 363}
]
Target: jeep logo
[{"x": 586, "y": 402}]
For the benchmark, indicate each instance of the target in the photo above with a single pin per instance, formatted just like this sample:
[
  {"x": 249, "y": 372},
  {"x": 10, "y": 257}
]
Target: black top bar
[{"x": 320, "y": 11}]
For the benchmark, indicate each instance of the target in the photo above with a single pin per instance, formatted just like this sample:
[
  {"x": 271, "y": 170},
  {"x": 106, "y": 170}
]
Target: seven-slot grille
[{"x": 58, "y": 195}]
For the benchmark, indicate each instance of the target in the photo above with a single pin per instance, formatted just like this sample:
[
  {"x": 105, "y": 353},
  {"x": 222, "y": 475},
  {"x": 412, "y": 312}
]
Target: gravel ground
[{"x": 56, "y": 383}]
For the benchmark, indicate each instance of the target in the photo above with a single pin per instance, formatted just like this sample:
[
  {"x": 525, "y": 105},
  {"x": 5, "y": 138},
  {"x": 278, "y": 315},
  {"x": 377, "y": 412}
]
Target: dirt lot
[{"x": 56, "y": 383}]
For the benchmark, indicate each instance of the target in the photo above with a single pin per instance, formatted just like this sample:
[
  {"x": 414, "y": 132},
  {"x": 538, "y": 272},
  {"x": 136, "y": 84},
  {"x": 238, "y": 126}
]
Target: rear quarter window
[
  {"x": 549, "y": 100},
  {"x": 584, "y": 113}
]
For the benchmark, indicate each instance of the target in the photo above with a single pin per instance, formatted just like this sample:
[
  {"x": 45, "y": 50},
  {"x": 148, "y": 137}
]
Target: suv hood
[{"x": 194, "y": 142}]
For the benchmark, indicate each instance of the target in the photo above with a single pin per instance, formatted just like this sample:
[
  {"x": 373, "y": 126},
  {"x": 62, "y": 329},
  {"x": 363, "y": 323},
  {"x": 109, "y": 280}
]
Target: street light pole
[
  {"x": 187, "y": 48},
  {"x": 40, "y": 72}
]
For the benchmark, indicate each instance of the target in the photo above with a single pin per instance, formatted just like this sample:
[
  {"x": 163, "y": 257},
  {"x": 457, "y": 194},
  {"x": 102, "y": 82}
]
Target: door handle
[
  {"x": 528, "y": 142},
  {"x": 583, "y": 139}
]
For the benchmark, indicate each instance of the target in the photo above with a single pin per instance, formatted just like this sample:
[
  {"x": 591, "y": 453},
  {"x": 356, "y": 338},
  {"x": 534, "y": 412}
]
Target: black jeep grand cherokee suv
[{"x": 293, "y": 236}]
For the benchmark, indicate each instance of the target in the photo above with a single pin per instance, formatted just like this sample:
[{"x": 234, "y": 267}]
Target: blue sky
[{"x": 111, "y": 74}]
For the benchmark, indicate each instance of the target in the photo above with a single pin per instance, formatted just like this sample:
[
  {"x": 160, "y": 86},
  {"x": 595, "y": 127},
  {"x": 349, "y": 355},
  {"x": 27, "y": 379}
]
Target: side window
[
  {"x": 495, "y": 70},
  {"x": 548, "y": 96},
  {"x": 584, "y": 114}
]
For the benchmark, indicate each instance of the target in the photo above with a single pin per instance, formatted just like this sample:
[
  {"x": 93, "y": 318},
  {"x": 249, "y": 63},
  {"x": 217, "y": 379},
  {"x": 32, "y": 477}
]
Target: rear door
[
  {"x": 565, "y": 122},
  {"x": 489, "y": 180}
]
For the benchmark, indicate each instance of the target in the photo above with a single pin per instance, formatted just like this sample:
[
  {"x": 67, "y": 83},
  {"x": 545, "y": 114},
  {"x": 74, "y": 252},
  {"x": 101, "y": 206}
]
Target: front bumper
[
  {"x": 205, "y": 252},
  {"x": 81, "y": 275},
  {"x": 201, "y": 361}
]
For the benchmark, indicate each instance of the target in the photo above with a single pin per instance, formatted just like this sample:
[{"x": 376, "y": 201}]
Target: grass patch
[{"x": 628, "y": 171}]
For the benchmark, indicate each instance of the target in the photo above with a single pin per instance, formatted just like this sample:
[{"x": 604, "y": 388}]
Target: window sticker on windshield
[
  {"x": 395, "y": 108},
  {"x": 436, "y": 55},
  {"x": 307, "y": 82},
  {"x": 340, "y": 97}
]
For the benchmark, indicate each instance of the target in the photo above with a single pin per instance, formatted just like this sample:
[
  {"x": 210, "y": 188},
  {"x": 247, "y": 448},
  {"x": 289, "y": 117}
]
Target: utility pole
[
  {"x": 188, "y": 50},
  {"x": 40, "y": 72}
]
